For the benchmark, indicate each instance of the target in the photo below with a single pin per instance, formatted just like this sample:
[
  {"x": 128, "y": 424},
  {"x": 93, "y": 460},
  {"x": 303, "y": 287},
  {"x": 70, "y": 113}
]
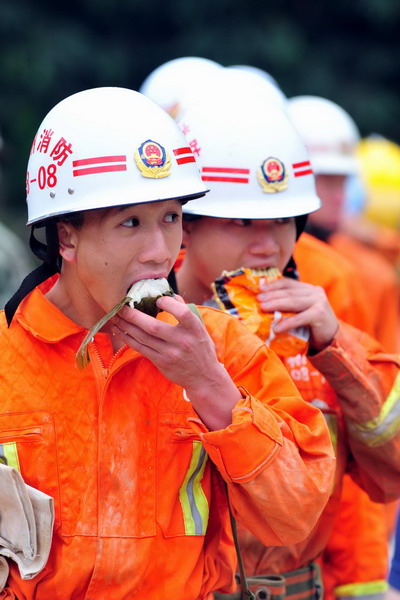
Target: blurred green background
[{"x": 345, "y": 51}]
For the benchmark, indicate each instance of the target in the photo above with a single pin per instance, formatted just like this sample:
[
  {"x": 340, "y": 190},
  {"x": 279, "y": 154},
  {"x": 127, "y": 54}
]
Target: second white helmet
[{"x": 251, "y": 157}]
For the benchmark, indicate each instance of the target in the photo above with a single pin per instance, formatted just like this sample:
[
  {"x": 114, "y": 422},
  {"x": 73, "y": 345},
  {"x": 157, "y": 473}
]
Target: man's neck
[
  {"x": 189, "y": 287},
  {"x": 66, "y": 296}
]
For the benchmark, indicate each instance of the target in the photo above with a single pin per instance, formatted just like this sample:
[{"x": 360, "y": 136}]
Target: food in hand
[{"x": 142, "y": 295}]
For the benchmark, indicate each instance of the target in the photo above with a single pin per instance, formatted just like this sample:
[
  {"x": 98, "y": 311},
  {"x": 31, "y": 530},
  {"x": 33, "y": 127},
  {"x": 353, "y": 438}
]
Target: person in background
[
  {"x": 376, "y": 223},
  {"x": 262, "y": 187},
  {"x": 360, "y": 559},
  {"x": 331, "y": 137}
]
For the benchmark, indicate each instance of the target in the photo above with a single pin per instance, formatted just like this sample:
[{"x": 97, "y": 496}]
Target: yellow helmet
[{"x": 380, "y": 171}]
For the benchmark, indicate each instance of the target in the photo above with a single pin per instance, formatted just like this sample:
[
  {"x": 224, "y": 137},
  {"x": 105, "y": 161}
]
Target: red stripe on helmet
[
  {"x": 185, "y": 159},
  {"x": 98, "y": 159},
  {"x": 104, "y": 169},
  {"x": 305, "y": 163},
  {"x": 179, "y": 151},
  {"x": 301, "y": 173},
  {"x": 225, "y": 179},
  {"x": 225, "y": 170}
]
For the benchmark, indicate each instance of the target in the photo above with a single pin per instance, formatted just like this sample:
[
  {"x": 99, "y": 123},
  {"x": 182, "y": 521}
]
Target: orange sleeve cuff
[{"x": 244, "y": 448}]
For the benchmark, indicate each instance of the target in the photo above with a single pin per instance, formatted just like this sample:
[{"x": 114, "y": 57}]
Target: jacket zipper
[{"x": 106, "y": 371}]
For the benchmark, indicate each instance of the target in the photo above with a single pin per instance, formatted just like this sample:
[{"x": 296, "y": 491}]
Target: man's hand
[
  {"x": 310, "y": 304},
  {"x": 185, "y": 354}
]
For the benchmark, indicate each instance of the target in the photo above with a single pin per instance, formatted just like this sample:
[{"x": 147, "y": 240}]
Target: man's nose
[
  {"x": 155, "y": 249},
  {"x": 263, "y": 242}
]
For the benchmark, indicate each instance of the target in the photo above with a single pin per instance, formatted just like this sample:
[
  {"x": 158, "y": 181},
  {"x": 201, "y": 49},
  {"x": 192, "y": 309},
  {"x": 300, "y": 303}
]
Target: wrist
[
  {"x": 214, "y": 401},
  {"x": 318, "y": 344}
]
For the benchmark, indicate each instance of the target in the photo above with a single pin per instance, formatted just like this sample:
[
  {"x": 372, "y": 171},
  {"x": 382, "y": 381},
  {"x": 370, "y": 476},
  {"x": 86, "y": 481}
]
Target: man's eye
[
  {"x": 282, "y": 221},
  {"x": 133, "y": 222},
  {"x": 242, "y": 222},
  {"x": 172, "y": 217}
]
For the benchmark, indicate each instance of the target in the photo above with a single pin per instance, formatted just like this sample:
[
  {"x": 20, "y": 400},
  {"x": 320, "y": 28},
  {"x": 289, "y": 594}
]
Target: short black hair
[{"x": 76, "y": 219}]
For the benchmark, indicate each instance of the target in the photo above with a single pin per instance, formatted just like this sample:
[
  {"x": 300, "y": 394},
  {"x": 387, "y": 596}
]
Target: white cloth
[
  {"x": 4, "y": 570},
  {"x": 26, "y": 525}
]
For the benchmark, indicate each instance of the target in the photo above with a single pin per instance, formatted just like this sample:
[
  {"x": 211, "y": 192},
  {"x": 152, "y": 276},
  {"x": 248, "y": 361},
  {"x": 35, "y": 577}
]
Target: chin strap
[
  {"x": 51, "y": 265},
  {"x": 291, "y": 269}
]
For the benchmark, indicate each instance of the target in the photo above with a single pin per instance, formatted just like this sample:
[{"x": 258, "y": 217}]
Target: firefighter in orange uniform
[
  {"x": 250, "y": 221},
  {"x": 140, "y": 448},
  {"x": 320, "y": 264}
]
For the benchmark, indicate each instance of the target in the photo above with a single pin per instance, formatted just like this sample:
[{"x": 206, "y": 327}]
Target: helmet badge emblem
[
  {"x": 152, "y": 160},
  {"x": 272, "y": 175}
]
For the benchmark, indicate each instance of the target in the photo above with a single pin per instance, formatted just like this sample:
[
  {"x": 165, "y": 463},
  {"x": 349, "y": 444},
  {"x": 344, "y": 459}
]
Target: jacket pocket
[
  {"x": 27, "y": 443},
  {"x": 183, "y": 476}
]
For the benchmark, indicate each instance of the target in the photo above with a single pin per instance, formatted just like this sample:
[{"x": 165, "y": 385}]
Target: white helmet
[
  {"x": 107, "y": 147},
  {"x": 261, "y": 74},
  {"x": 230, "y": 81},
  {"x": 175, "y": 83},
  {"x": 251, "y": 157},
  {"x": 330, "y": 134}
]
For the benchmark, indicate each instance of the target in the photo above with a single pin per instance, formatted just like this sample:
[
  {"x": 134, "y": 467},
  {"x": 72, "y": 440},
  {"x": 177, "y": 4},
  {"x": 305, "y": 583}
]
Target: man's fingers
[
  {"x": 136, "y": 323},
  {"x": 292, "y": 322},
  {"x": 284, "y": 304},
  {"x": 279, "y": 284},
  {"x": 124, "y": 328},
  {"x": 177, "y": 307},
  {"x": 142, "y": 345}
]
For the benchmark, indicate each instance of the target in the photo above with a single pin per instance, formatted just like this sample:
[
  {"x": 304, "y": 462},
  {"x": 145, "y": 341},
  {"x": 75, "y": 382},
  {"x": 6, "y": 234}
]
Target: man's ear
[
  {"x": 186, "y": 227},
  {"x": 67, "y": 237}
]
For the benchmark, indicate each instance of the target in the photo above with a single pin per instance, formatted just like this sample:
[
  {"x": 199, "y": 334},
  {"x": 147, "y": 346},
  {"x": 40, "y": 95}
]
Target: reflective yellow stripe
[
  {"x": 9, "y": 455},
  {"x": 386, "y": 425},
  {"x": 331, "y": 421},
  {"x": 362, "y": 589},
  {"x": 389, "y": 404},
  {"x": 192, "y": 498}
]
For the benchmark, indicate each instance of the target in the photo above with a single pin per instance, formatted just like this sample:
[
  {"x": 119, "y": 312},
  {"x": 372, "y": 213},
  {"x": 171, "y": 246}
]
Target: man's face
[
  {"x": 116, "y": 247},
  {"x": 330, "y": 189},
  {"x": 214, "y": 245}
]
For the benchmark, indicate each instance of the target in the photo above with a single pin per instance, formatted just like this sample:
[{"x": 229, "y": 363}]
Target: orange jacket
[
  {"x": 138, "y": 481},
  {"x": 320, "y": 264},
  {"x": 382, "y": 287},
  {"x": 366, "y": 445}
]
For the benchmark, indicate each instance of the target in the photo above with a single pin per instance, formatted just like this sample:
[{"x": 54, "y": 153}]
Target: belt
[{"x": 301, "y": 584}]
